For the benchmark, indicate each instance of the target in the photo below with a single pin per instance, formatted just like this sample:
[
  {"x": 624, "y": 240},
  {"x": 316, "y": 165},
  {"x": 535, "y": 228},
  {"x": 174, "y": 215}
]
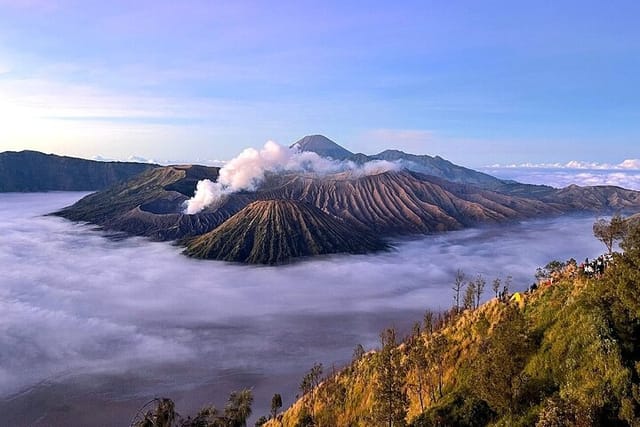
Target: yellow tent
[{"x": 518, "y": 299}]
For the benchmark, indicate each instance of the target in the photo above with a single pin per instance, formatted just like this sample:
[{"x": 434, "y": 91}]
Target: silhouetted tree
[
  {"x": 470, "y": 296},
  {"x": 276, "y": 404},
  {"x": 261, "y": 421},
  {"x": 392, "y": 402},
  {"x": 611, "y": 231},
  {"x": 507, "y": 285},
  {"x": 309, "y": 384},
  {"x": 428, "y": 321},
  {"x": 495, "y": 286},
  {"x": 418, "y": 361},
  {"x": 458, "y": 283},
  {"x": 416, "y": 331},
  {"x": 552, "y": 267},
  {"x": 238, "y": 408},
  {"x": 206, "y": 417},
  {"x": 358, "y": 352},
  {"x": 436, "y": 351},
  {"x": 480, "y": 284},
  {"x": 164, "y": 414}
]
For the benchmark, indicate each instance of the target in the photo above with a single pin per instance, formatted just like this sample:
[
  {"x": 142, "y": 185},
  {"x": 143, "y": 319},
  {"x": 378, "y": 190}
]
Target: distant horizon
[
  {"x": 625, "y": 164},
  {"x": 625, "y": 173}
]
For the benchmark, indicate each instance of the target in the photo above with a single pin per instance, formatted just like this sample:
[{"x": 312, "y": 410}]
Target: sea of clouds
[
  {"x": 624, "y": 174},
  {"x": 103, "y": 324}
]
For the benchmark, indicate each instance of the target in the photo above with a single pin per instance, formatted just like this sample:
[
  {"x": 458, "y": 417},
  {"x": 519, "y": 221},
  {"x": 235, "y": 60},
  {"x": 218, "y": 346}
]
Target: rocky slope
[
  {"x": 275, "y": 231},
  {"x": 27, "y": 171}
]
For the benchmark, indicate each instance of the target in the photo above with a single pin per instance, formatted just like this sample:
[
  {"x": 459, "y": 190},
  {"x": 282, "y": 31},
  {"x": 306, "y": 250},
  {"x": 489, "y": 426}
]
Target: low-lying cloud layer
[
  {"x": 625, "y": 174},
  {"x": 78, "y": 309},
  {"x": 628, "y": 164},
  {"x": 247, "y": 171}
]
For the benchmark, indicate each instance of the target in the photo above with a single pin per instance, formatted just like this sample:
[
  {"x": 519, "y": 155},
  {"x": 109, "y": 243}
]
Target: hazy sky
[{"x": 475, "y": 82}]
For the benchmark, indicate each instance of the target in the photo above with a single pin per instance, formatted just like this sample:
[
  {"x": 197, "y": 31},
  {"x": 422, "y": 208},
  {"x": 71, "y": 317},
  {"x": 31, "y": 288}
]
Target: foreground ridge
[{"x": 563, "y": 353}]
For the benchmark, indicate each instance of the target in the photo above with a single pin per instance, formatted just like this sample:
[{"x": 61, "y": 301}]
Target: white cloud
[
  {"x": 625, "y": 174},
  {"x": 562, "y": 177},
  {"x": 628, "y": 164}
]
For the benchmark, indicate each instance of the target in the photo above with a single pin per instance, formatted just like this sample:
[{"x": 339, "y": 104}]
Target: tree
[
  {"x": 436, "y": 351},
  {"x": 495, "y": 286},
  {"x": 428, "y": 321},
  {"x": 457, "y": 287},
  {"x": 498, "y": 373},
  {"x": 261, "y": 421},
  {"x": 549, "y": 270},
  {"x": 470, "y": 296},
  {"x": 276, "y": 404},
  {"x": 389, "y": 394},
  {"x": 164, "y": 414},
  {"x": 238, "y": 408},
  {"x": 507, "y": 286},
  {"x": 207, "y": 417},
  {"x": 480, "y": 284},
  {"x": 418, "y": 361},
  {"x": 625, "y": 273},
  {"x": 609, "y": 232},
  {"x": 309, "y": 384},
  {"x": 358, "y": 353}
]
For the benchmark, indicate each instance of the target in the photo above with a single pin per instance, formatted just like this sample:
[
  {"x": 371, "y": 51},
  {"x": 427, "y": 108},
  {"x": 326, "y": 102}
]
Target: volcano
[
  {"x": 322, "y": 146},
  {"x": 291, "y": 215}
]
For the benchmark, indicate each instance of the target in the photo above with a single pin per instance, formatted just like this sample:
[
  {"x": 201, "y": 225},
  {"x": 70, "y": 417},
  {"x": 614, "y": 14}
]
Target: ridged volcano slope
[
  {"x": 274, "y": 231},
  {"x": 405, "y": 202},
  {"x": 390, "y": 203}
]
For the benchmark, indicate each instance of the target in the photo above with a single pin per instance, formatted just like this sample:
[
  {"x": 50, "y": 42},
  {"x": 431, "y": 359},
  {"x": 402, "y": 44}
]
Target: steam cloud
[
  {"x": 94, "y": 319},
  {"x": 248, "y": 169}
]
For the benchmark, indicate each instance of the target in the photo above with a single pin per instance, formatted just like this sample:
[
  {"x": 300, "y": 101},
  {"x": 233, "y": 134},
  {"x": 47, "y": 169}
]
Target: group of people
[{"x": 596, "y": 267}]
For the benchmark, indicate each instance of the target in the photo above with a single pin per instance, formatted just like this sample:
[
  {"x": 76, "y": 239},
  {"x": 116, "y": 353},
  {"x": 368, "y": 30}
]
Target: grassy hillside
[{"x": 565, "y": 353}]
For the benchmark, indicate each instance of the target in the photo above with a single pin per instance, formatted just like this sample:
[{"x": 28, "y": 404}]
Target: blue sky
[{"x": 477, "y": 82}]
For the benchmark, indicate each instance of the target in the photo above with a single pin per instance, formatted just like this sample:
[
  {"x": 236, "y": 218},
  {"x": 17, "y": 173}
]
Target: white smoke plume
[{"x": 247, "y": 171}]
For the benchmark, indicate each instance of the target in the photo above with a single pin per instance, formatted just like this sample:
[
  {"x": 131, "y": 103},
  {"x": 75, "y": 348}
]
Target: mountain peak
[{"x": 322, "y": 146}]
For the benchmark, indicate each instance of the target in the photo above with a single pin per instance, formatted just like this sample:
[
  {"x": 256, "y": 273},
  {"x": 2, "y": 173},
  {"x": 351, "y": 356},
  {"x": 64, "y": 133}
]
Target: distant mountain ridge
[
  {"x": 436, "y": 166},
  {"x": 29, "y": 171}
]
